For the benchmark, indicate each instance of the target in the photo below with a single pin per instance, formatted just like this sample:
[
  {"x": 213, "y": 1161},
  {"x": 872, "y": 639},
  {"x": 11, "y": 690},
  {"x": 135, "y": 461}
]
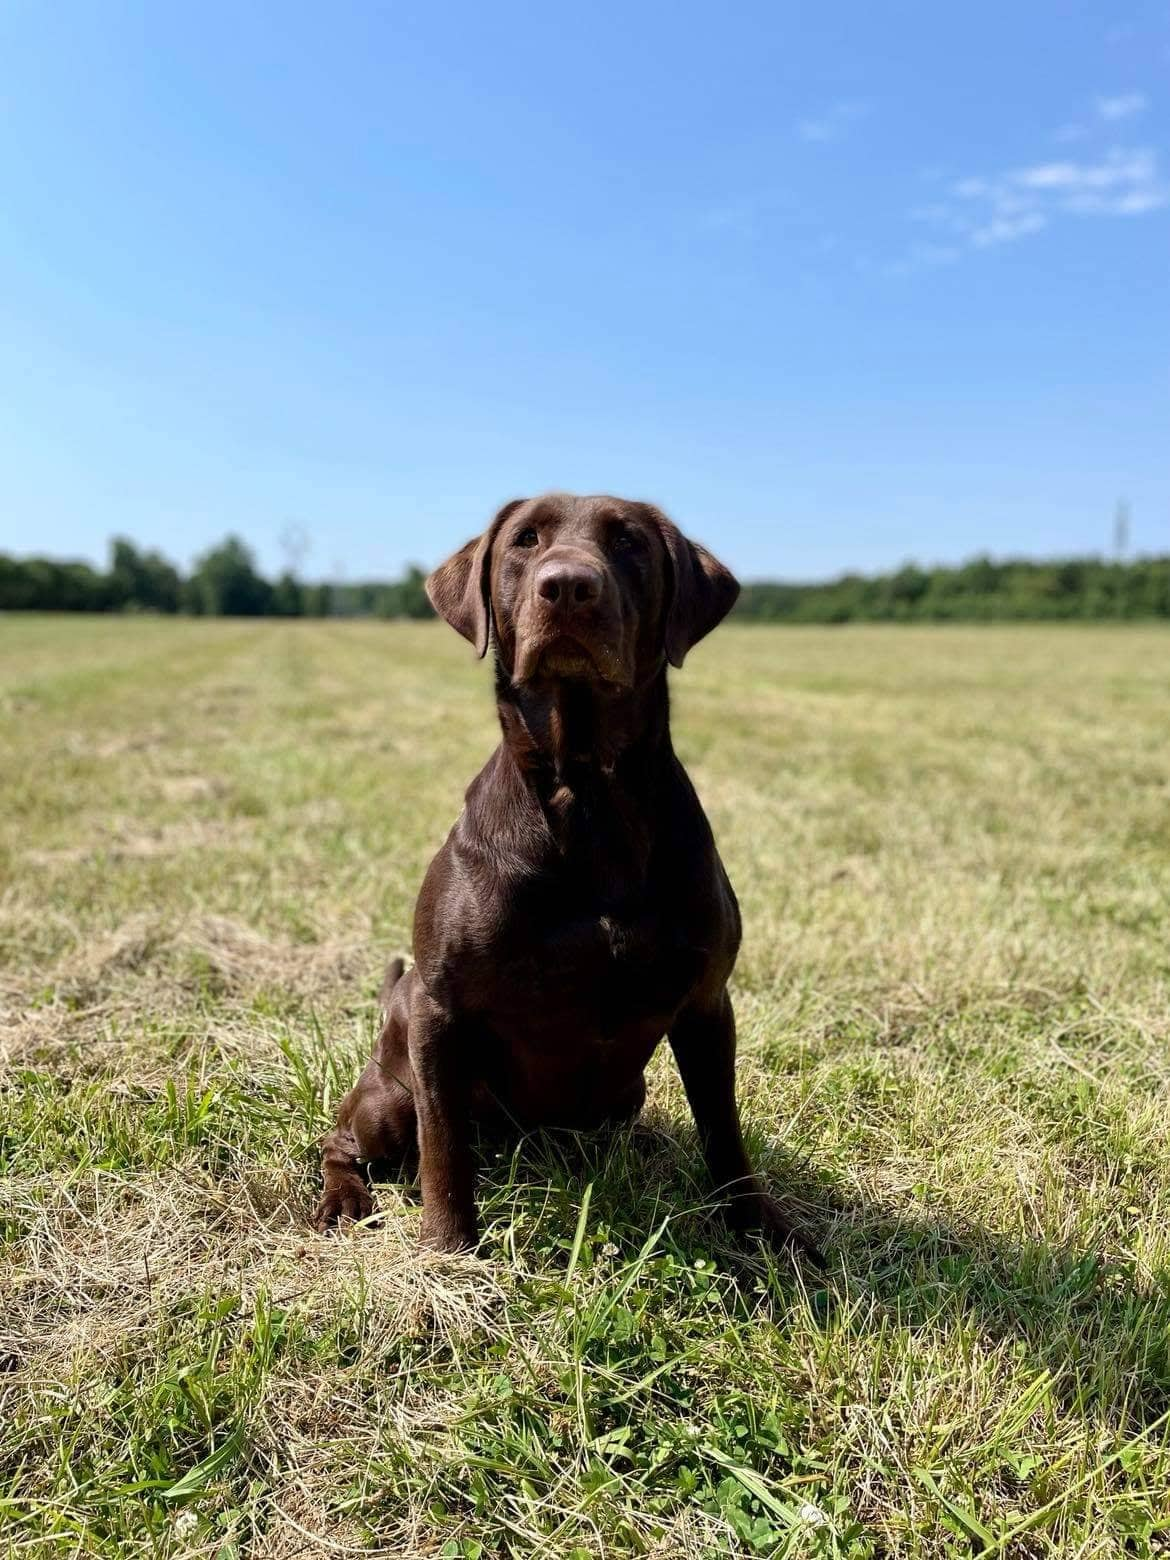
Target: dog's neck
[{"x": 567, "y": 737}]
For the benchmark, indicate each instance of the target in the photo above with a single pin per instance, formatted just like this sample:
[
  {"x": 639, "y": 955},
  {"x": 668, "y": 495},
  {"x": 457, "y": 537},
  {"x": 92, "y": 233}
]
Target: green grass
[{"x": 952, "y": 847}]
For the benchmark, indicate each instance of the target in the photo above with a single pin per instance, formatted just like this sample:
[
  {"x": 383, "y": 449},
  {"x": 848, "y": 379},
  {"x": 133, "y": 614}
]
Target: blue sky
[{"x": 837, "y": 285}]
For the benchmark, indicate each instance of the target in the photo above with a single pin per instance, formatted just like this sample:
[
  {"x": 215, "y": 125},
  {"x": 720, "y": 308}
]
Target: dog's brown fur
[{"x": 579, "y": 910}]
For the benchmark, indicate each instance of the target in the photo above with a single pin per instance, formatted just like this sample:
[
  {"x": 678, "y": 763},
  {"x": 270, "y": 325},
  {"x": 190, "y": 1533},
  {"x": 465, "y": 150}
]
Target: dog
[{"x": 578, "y": 911}]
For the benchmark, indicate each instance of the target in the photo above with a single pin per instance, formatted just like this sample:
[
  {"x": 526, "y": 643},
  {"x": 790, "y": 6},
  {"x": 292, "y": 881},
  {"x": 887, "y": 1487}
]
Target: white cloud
[
  {"x": 1118, "y": 167},
  {"x": 1006, "y": 229},
  {"x": 1131, "y": 203},
  {"x": 1124, "y": 182},
  {"x": 1107, "y": 110},
  {"x": 1123, "y": 106},
  {"x": 984, "y": 211},
  {"x": 833, "y": 123}
]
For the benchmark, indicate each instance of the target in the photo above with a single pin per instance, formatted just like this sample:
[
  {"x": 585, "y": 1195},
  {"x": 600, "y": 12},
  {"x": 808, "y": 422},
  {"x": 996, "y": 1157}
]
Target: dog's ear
[
  {"x": 460, "y": 589},
  {"x": 701, "y": 592}
]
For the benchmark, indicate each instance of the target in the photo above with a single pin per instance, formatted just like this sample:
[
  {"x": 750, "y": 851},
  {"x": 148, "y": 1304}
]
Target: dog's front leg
[
  {"x": 703, "y": 1041},
  {"x": 442, "y": 1086}
]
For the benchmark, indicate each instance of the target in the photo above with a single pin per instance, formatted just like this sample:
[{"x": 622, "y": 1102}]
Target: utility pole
[
  {"x": 1120, "y": 529},
  {"x": 295, "y": 543},
  {"x": 1120, "y": 547}
]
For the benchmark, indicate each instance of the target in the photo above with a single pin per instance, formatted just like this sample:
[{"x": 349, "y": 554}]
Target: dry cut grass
[{"x": 953, "y": 852}]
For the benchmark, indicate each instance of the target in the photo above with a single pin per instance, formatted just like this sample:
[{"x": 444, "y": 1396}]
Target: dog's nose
[{"x": 568, "y": 584}]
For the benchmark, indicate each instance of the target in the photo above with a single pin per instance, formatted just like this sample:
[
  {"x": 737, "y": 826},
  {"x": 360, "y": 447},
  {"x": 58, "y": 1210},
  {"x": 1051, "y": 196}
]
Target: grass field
[{"x": 952, "y": 848}]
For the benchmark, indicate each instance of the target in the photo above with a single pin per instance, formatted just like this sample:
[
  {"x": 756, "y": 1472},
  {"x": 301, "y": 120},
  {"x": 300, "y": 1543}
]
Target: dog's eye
[
  {"x": 526, "y": 538},
  {"x": 623, "y": 540}
]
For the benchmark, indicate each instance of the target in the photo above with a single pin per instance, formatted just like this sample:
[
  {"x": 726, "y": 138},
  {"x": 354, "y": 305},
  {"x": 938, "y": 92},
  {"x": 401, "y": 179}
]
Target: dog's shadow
[{"x": 1067, "y": 1310}]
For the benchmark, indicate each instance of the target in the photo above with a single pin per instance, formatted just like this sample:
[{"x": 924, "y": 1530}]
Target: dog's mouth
[
  {"x": 574, "y": 659},
  {"x": 567, "y": 658}
]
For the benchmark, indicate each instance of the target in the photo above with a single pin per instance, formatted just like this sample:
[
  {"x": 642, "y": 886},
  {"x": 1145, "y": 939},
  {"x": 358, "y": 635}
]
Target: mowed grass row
[{"x": 952, "y": 848}]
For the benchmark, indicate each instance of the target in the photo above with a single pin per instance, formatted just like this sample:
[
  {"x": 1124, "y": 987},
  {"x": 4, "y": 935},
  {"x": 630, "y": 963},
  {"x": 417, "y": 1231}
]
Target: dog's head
[{"x": 596, "y": 589}]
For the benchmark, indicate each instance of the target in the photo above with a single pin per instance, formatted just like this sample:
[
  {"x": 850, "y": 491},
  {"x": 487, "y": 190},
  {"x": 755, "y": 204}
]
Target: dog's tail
[{"x": 394, "y": 973}]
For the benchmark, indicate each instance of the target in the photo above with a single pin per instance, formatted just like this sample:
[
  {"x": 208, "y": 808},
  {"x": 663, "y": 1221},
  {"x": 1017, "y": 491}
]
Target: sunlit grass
[{"x": 952, "y": 847}]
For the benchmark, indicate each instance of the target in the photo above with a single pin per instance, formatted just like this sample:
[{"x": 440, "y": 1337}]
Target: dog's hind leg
[{"x": 376, "y": 1119}]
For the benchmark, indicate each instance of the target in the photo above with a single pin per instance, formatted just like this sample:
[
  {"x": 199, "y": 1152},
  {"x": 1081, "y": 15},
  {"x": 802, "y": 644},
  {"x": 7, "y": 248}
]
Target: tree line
[
  {"x": 225, "y": 582},
  {"x": 981, "y": 591}
]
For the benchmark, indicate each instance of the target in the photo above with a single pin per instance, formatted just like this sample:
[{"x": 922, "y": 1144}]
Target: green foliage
[
  {"x": 980, "y": 590},
  {"x": 142, "y": 580},
  {"x": 225, "y": 583},
  {"x": 288, "y": 596},
  {"x": 44, "y": 585},
  {"x": 406, "y": 597}
]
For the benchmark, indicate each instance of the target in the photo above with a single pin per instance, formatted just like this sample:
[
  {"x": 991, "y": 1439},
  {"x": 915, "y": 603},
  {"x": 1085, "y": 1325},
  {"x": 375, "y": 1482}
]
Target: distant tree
[
  {"x": 16, "y": 593},
  {"x": 224, "y": 583},
  {"x": 49, "y": 585},
  {"x": 318, "y": 600},
  {"x": 78, "y": 587},
  {"x": 288, "y": 596},
  {"x": 407, "y": 597},
  {"x": 981, "y": 590},
  {"x": 191, "y": 597},
  {"x": 906, "y": 589},
  {"x": 142, "y": 581}
]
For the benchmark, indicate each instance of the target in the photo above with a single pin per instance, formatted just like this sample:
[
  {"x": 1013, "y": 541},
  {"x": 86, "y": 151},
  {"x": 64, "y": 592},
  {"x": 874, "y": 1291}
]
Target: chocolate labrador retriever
[{"x": 578, "y": 910}]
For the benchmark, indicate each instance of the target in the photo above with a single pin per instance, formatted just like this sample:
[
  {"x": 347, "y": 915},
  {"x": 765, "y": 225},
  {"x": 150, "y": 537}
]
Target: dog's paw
[
  {"x": 447, "y": 1234},
  {"x": 342, "y": 1205},
  {"x": 768, "y": 1220}
]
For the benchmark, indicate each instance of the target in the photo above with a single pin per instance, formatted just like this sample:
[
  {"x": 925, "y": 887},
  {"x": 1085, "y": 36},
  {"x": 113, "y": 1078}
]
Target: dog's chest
[
  {"x": 597, "y": 973},
  {"x": 574, "y": 1019}
]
